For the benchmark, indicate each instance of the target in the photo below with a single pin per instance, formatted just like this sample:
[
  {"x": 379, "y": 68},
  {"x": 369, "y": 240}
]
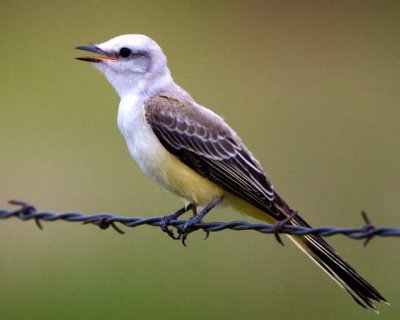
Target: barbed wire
[{"x": 106, "y": 220}]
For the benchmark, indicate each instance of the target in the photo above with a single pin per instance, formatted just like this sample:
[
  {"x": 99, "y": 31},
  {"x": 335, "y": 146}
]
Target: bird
[{"x": 193, "y": 153}]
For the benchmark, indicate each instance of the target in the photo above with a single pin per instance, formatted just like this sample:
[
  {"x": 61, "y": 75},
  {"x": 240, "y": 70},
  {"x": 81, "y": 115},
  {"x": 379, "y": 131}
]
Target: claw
[
  {"x": 189, "y": 227},
  {"x": 183, "y": 238},
  {"x": 164, "y": 226},
  {"x": 184, "y": 235}
]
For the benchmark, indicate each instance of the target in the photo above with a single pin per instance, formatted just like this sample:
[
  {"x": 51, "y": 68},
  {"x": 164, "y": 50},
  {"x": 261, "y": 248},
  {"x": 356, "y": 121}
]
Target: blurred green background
[{"x": 312, "y": 87}]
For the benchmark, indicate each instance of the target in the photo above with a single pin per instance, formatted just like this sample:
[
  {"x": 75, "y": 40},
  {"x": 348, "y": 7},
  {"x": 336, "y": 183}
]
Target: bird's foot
[
  {"x": 165, "y": 221},
  {"x": 280, "y": 225},
  {"x": 190, "y": 226}
]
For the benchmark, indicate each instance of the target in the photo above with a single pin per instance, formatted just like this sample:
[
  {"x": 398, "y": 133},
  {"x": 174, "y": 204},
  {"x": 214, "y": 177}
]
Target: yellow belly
[
  {"x": 186, "y": 183},
  {"x": 192, "y": 187}
]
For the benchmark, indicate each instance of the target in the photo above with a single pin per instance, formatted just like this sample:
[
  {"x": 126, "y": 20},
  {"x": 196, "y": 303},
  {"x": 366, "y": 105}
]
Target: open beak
[{"x": 103, "y": 55}]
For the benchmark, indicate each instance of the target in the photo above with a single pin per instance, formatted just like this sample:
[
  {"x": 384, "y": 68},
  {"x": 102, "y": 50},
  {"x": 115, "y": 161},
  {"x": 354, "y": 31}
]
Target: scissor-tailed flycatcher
[{"x": 193, "y": 153}]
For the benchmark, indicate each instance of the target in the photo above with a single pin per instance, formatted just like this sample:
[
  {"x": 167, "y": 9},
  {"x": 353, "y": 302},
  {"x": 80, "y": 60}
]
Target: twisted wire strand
[{"x": 105, "y": 220}]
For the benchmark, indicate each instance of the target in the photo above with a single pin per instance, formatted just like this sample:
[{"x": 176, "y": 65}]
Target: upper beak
[{"x": 103, "y": 55}]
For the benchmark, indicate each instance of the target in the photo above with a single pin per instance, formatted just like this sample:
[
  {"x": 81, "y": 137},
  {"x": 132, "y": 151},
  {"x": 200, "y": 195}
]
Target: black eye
[{"x": 125, "y": 52}]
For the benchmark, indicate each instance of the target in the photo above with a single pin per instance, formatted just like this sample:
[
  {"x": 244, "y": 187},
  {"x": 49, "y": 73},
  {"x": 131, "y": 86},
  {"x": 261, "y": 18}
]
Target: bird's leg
[
  {"x": 167, "y": 219},
  {"x": 188, "y": 227},
  {"x": 279, "y": 225},
  {"x": 194, "y": 210}
]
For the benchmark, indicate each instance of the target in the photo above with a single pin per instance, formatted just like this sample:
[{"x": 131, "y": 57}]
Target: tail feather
[{"x": 339, "y": 270}]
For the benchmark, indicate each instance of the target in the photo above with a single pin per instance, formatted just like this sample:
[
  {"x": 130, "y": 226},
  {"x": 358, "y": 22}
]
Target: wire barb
[
  {"x": 25, "y": 210},
  {"x": 104, "y": 221},
  {"x": 369, "y": 228},
  {"x": 280, "y": 225}
]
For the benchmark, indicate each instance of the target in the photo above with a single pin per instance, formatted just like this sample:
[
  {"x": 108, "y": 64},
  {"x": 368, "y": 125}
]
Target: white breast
[{"x": 142, "y": 143}]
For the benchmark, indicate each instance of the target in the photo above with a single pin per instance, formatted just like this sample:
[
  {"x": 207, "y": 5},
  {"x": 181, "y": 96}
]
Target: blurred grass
[{"x": 311, "y": 87}]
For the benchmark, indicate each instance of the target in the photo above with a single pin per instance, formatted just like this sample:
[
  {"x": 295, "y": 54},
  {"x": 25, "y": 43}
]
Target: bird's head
[{"x": 132, "y": 63}]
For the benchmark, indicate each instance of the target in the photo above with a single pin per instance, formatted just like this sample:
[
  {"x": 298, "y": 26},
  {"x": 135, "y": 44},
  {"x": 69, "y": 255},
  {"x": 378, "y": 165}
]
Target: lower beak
[{"x": 103, "y": 55}]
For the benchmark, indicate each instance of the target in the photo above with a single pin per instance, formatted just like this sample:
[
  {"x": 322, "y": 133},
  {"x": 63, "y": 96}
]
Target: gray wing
[{"x": 205, "y": 143}]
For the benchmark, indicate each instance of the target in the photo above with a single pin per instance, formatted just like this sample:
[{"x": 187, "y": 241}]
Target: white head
[{"x": 132, "y": 63}]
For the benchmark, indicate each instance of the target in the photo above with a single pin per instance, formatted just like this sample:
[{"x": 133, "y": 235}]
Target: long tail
[{"x": 339, "y": 270}]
